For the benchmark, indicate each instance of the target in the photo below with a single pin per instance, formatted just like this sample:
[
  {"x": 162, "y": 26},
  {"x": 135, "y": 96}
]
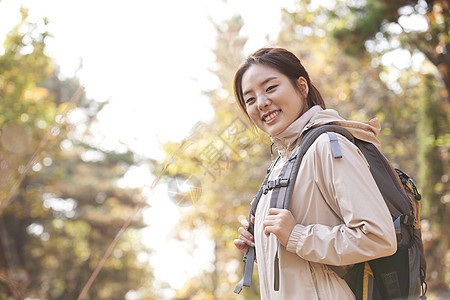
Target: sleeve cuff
[{"x": 295, "y": 238}]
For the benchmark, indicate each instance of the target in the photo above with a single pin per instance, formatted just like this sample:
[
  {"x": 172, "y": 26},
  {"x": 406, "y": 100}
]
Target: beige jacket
[{"x": 361, "y": 230}]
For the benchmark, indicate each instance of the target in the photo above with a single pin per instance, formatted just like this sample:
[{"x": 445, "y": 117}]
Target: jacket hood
[
  {"x": 287, "y": 140},
  {"x": 366, "y": 131}
]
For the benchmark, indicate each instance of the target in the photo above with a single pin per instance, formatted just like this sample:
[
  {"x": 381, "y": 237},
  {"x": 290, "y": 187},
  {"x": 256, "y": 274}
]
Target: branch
[{"x": 34, "y": 158}]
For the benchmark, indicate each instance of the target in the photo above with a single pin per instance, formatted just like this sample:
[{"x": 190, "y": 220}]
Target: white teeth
[{"x": 271, "y": 116}]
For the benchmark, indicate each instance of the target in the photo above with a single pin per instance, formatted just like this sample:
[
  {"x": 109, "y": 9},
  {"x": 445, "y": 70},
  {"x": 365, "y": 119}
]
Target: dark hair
[{"x": 284, "y": 62}]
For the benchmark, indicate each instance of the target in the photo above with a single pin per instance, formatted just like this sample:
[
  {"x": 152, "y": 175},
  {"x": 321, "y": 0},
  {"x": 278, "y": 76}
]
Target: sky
[{"x": 150, "y": 60}]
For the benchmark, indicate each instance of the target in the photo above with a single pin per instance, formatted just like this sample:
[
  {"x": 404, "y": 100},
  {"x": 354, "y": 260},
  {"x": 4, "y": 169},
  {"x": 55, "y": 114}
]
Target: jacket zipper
[{"x": 313, "y": 274}]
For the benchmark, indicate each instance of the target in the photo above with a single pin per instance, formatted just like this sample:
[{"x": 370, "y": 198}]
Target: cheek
[
  {"x": 252, "y": 114},
  {"x": 300, "y": 105}
]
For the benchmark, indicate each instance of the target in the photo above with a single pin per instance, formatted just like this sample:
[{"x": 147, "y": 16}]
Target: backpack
[{"x": 399, "y": 276}]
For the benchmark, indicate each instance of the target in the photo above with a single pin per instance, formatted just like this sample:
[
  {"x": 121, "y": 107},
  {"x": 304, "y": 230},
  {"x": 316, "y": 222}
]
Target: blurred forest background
[{"x": 61, "y": 204}]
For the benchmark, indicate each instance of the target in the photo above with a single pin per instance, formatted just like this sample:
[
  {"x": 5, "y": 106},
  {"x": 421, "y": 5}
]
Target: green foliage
[
  {"x": 387, "y": 24},
  {"x": 419, "y": 117},
  {"x": 352, "y": 32},
  {"x": 433, "y": 132},
  {"x": 69, "y": 206}
]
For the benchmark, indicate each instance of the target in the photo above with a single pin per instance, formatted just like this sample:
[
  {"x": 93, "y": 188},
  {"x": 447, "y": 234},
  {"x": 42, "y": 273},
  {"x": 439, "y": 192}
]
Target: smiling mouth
[{"x": 271, "y": 116}]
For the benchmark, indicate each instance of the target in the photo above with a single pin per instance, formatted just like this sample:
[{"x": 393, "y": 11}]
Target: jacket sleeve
[{"x": 346, "y": 184}]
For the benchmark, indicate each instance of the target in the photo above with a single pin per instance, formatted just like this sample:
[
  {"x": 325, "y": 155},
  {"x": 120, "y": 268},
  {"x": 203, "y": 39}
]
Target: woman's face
[{"x": 272, "y": 102}]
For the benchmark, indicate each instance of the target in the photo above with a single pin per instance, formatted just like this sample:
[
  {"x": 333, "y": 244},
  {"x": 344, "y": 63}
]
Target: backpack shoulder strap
[
  {"x": 249, "y": 257},
  {"x": 284, "y": 184},
  {"x": 262, "y": 189}
]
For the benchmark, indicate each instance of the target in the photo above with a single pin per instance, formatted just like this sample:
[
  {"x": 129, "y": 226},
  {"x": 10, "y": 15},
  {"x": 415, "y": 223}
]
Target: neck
[{"x": 287, "y": 140}]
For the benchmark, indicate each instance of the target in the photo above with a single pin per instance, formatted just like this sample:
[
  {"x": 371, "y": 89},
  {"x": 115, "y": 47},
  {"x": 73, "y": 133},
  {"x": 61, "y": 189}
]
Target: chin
[{"x": 274, "y": 131}]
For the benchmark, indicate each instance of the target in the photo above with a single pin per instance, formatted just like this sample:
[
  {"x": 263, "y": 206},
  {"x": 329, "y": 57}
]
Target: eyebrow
[{"x": 261, "y": 84}]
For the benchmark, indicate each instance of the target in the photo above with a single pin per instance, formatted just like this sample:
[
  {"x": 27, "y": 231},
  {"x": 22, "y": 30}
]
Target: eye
[
  {"x": 250, "y": 100},
  {"x": 270, "y": 88}
]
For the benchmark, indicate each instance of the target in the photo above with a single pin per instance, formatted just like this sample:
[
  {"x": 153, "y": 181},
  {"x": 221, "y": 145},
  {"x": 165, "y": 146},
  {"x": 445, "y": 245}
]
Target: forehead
[{"x": 258, "y": 74}]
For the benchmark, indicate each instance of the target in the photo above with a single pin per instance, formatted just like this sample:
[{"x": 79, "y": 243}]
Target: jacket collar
[{"x": 287, "y": 140}]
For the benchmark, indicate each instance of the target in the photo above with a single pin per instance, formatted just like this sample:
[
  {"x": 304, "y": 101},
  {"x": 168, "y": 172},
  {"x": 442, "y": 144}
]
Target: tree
[
  {"x": 415, "y": 29},
  {"x": 417, "y": 25},
  {"x": 433, "y": 132},
  {"x": 68, "y": 207}
]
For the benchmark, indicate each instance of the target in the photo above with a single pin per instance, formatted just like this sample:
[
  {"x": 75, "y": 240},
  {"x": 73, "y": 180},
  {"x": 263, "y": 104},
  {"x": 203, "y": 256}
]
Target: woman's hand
[
  {"x": 245, "y": 239},
  {"x": 279, "y": 222}
]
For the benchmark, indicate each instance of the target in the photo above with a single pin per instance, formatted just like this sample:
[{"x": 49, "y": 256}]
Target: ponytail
[{"x": 314, "y": 97}]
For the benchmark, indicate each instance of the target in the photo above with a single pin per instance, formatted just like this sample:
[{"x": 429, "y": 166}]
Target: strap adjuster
[
  {"x": 279, "y": 182},
  {"x": 407, "y": 220}
]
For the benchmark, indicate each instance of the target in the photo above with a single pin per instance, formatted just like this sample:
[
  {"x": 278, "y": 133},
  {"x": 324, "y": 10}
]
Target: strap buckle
[{"x": 279, "y": 182}]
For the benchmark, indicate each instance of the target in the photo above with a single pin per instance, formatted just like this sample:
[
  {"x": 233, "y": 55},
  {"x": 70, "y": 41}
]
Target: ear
[{"x": 303, "y": 86}]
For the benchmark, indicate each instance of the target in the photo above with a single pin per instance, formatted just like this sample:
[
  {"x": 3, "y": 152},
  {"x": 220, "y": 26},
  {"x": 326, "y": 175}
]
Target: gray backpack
[{"x": 400, "y": 276}]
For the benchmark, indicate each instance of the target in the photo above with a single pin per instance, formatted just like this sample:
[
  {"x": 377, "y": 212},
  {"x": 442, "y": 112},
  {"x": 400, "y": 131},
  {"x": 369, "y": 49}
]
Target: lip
[{"x": 269, "y": 113}]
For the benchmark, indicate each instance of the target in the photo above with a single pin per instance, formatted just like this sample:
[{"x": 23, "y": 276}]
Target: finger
[
  {"x": 270, "y": 217},
  {"x": 240, "y": 245},
  {"x": 266, "y": 224},
  {"x": 244, "y": 223},
  {"x": 280, "y": 224},
  {"x": 245, "y": 233},
  {"x": 247, "y": 238},
  {"x": 253, "y": 219},
  {"x": 270, "y": 226},
  {"x": 270, "y": 221},
  {"x": 267, "y": 231},
  {"x": 276, "y": 211},
  {"x": 247, "y": 241}
]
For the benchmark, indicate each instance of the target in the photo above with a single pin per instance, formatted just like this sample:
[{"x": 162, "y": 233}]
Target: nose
[{"x": 262, "y": 101}]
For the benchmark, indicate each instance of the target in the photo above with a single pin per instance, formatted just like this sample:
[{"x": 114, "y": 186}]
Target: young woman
[{"x": 337, "y": 215}]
